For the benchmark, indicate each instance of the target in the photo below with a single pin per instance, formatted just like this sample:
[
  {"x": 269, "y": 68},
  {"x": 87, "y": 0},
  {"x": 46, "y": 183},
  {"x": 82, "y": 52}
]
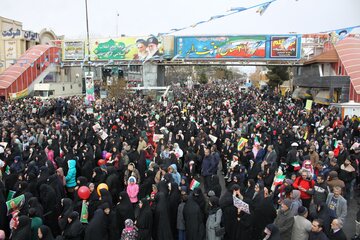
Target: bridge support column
[{"x": 153, "y": 75}]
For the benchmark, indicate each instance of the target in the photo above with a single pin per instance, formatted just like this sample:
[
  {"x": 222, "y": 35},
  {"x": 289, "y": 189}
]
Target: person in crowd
[
  {"x": 214, "y": 219},
  {"x": 271, "y": 232},
  {"x": 305, "y": 184},
  {"x": 302, "y": 226},
  {"x": 317, "y": 230},
  {"x": 130, "y": 232},
  {"x": 285, "y": 220},
  {"x": 337, "y": 204},
  {"x": 336, "y": 232}
]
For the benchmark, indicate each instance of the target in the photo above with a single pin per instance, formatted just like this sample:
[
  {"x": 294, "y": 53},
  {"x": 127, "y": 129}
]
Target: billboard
[
  {"x": 284, "y": 46},
  {"x": 126, "y": 48},
  {"x": 73, "y": 50},
  {"x": 221, "y": 47},
  {"x": 238, "y": 47}
]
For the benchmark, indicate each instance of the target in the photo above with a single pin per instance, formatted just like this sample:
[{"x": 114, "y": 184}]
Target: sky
[{"x": 143, "y": 17}]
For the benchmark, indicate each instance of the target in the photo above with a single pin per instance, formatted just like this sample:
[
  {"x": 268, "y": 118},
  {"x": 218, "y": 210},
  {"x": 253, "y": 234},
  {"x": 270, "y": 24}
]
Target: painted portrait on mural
[
  {"x": 141, "y": 45},
  {"x": 153, "y": 47}
]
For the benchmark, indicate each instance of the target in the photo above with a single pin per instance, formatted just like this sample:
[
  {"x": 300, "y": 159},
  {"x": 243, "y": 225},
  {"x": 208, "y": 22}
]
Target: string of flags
[{"x": 262, "y": 7}]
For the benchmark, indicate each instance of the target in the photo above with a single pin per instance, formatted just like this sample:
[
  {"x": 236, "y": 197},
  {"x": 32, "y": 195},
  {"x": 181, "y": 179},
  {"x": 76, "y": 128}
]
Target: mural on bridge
[
  {"x": 283, "y": 46},
  {"x": 126, "y": 48},
  {"x": 238, "y": 47},
  {"x": 221, "y": 47}
]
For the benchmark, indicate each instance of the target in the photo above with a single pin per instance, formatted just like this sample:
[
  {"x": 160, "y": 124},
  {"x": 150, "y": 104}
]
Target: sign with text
[
  {"x": 73, "y": 50},
  {"x": 284, "y": 47}
]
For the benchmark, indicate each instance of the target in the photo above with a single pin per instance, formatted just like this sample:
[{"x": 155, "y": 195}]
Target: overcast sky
[{"x": 144, "y": 17}]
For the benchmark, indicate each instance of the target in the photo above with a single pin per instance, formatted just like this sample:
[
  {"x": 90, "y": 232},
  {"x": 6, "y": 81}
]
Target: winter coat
[
  {"x": 180, "y": 223},
  {"x": 307, "y": 184},
  {"x": 301, "y": 228},
  {"x": 133, "y": 190},
  {"x": 130, "y": 231},
  {"x": 144, "y": 221},
  {"x": 339, "y": 235},
  {"x": 347, "y": 173},
  {"x": 341, "y": 206},
  {"x": 213, "y": 222},
  {"x": 96, "y": 228},
  {"x": 23, "y": 230},
  {"x": 207, "y": 165},
  {"x": 175, "y": 175},
  {"x": 320, "y": 192},
  {"x": 195, "y": 229},
  {"x": 284, "y": 221},
  {"x": 71, "y": 174},
  {"x": 317, "y": 236},
  {"x": 161, "y": 229}
]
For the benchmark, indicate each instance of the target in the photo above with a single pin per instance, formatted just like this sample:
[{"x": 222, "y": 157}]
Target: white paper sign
[{"x": 243, "y": 206}]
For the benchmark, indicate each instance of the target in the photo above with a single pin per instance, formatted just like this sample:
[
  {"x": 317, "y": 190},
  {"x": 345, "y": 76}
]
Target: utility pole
[{"x": 87, "y": 34}]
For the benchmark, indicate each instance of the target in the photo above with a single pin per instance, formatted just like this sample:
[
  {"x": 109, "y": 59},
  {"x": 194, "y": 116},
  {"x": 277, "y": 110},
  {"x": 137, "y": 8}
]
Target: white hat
[{"x": 294, "y": 144}]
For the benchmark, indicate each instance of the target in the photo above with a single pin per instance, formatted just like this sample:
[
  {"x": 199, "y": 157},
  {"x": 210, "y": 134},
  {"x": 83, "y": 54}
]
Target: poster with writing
[{"x": 240, "y": 204}]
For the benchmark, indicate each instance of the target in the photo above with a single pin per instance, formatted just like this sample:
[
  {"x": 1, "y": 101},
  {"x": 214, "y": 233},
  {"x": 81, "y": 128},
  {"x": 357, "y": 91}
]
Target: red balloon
[
  {"x": 101, "y": 162},
  {"x": 108, "y": 155},
  {"x": 84, "y": 192}
]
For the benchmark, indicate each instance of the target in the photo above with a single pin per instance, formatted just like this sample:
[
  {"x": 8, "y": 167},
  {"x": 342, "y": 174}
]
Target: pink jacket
[{"x": 133, "y": 190}]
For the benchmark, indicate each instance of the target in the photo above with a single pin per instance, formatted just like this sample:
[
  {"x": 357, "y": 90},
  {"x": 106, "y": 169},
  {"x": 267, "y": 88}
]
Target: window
[
  {"x": 70, "y": 86},
  {"x": 63, "y": 88},
  {"x": 340, "y": 69}
]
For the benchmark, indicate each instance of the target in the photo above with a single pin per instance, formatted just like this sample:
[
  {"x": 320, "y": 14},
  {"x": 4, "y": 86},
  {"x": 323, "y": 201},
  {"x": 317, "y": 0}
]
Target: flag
[
  {"x": 306, "y": 135},
  {"x": 84, "y": 213},
  {"x": 7, "y": 170},
  {"x": 263, "y": 8},
  {"x": 256, "y": 140},
  {"x": 10, "y": 195},
  {"x": 213, "y": 138},
  {"x": 296, "y": 166},
  {"x": 241, "y": 144},
  {"x": 335, "y": 144},
  {"x": 194, "y": 184},
  {"x": 279, "y": 180},
  {"x": 15, "y": 204}
]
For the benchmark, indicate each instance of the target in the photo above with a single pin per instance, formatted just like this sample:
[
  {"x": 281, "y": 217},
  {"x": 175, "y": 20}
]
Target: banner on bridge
[
  {"x": 238, "y": 47},
  {"x": 131, "y": 48}
]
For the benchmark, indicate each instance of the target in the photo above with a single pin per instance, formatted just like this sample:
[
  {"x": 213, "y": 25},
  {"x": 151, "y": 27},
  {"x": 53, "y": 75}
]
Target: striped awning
[{"x": 349, "y": 53}]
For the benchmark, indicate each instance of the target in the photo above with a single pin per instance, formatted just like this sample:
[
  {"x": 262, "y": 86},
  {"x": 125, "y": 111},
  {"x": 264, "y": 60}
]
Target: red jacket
[{"x": 299, "y": 182}]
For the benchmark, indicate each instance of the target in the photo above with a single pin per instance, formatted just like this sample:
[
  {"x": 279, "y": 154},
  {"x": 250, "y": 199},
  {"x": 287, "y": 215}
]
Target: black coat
[
  {"x": 174, "y": 201},
  {"x": 23, "y": 230},
  {"x": 339, "y": 235},
  {"x": 97, "y": 227},
  {"x": 230, "y": 216},
  {"x": 194, "y": 220},
  {"x": 46, "y": 232},
  {"x": 263, "y": 215},
  {"x": 124, "y": 210},
  {"x": 144, "y": 221},
  {"x": 67, "y": 209},
  {"x": 51, "y": 207},
  {"x": 74, "y": 231},
  {"x": 162, "y": 229}
]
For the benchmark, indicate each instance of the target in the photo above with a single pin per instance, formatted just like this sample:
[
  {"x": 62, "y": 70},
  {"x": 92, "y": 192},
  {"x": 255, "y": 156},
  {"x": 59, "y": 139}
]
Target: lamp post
[{"x": 87, "y": 35}]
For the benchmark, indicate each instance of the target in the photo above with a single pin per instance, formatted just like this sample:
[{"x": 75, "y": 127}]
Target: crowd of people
[{"x": 153, "y": 169}]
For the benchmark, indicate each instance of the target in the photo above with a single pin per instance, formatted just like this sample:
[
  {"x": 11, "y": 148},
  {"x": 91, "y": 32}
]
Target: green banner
[
  {"x": 84, "y": 213},
  {"x": 15, "y": 204}
]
